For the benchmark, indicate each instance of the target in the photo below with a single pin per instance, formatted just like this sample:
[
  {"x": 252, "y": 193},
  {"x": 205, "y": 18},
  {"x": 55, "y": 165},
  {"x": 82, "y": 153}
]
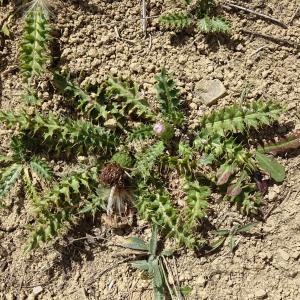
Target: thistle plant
[
  {"x": 61, "y": 135},
  {"x": 63, "y": 203},
  {"x": 199, "y": 15},
  {"x": 218, "y": 143},
  {"x": 153, "y": 263},
  {"x": 19, "y": 165},
  {"x": 34, "y": 46},
  {"x": 136, "y": 148}
]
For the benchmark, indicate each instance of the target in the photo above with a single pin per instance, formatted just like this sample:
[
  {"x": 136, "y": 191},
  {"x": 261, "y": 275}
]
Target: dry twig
[
  {"x": 272, "y": 38},
  {"x": 263, "y": 16},
  {"x": 294, "y": 15},
  {"x": 144, "y": 16},
  {"x": 259, "y": 49}
]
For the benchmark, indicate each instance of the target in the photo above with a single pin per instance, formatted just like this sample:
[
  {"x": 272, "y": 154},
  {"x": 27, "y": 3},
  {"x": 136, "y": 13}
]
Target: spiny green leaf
[
  {"x": 61, "y": 205},
  {"x": 30, "y": 189},
  {"x": 62, "y": 135},
  {"x": 142, "y": 132},
  {"x": 178, "y": 20},
  {"x": 123, "y": 159},
  {"x": 97, "y": 201},
  {"x": 41, "y": 168},
  {"x": 8, "y": 179},
  {"x": 34, "y": 45},
  {"x": 238, "y": 119},
  {"x": 158, "y": 208},
  {"x": 197, "y": 203},
  {"x": 168, "y": 97},
  {"x": 147, "y": 159},
  {"x": 213, "y": 25},
  {"x": 129, "y": 93},
  {"x": 96, "y": 108},
  {"x": 48, "y": 230}
]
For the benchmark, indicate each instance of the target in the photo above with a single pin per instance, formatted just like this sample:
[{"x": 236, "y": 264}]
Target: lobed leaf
[
  {"x": 238, "y": 119},
  {"x": 197, "y": 203},
  {"x": 61, "y": 205},
  {"x": 39, "y": 167},
  {"x": 9, "y": 178},
  {"x": 213, "y": 25},
  {"x": 168, "y": 97},
  {"x": 146, "y": 161},
  {"x": 62, "y": 135},
  {"x": 128, "y": 92},
  {"x": 179, "y": 20},
  {"x": 34, "y": 48}
]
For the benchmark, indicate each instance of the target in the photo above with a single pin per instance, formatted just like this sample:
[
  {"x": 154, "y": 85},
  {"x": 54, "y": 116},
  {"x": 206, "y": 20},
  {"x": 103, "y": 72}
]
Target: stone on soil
[
  {"x": 283, "y": 254},
  {"x": 210, "y": 91},
  {"x": 260, "y": 294},
  {"x": 201, "y": 281}
]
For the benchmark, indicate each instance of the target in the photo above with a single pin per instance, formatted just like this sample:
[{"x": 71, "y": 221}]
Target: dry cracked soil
[{"x": 96, "y": 37}]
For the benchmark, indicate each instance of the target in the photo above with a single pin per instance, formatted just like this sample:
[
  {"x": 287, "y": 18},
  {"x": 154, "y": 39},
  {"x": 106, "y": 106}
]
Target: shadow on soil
[
  {"x": 212, "y": 41},
  {"x": 80, "y": 242}
]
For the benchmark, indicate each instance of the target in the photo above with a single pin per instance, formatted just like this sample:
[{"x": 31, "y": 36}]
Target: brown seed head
[{"x": 112, "y": 174}]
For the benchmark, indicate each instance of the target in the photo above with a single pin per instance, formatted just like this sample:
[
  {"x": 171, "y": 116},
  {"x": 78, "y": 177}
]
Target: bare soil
[{"x": 96, "y": 37}]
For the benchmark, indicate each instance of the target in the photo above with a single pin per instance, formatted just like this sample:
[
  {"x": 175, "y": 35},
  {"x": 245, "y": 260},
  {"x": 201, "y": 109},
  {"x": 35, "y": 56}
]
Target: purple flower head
[{"x": 159, "y": 128}]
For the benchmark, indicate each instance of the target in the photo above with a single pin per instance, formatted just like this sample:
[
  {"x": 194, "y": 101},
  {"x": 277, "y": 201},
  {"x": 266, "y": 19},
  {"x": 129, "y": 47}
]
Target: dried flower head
[
  {"x": 118, "y": 201},
  {"x": 112, "y": 175}
]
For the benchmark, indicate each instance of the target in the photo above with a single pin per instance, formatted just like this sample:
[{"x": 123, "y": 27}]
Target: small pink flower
[{"x": 159, "y": 128}]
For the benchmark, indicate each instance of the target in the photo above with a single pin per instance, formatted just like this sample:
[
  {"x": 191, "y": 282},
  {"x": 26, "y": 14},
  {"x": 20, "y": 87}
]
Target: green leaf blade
[{"x": 271, "y": 166}]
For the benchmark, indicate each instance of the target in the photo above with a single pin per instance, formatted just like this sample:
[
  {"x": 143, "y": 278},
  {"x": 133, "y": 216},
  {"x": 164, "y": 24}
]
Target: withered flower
[{"x": 114, "y": 176}]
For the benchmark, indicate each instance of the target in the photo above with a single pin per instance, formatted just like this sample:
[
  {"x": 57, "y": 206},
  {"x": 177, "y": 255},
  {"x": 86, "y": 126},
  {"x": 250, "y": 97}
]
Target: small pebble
[
  {"x": 272, "y": 195},
  {"x": 10, "y": 297},
  {"x": 260, "y": 294},
  {"x": 210, "y": 90},
  {"x": 239, "y": 47},
  {"x": 37, "y": 290},
  {"x": 283, "y": 254},
  {"x": 201, "y": 281}
]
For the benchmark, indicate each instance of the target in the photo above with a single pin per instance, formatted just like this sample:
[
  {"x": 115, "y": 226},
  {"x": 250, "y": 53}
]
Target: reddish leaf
[
  {"x": 261, "y": 185},
  {"x": 224, "y": 174},
  {"x": 234, "y": 190},
  {"x": 291, "y": 142}
]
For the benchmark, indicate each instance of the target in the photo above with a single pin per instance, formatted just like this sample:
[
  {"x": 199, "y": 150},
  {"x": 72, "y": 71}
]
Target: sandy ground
[{"x": 100, "y": 37}]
